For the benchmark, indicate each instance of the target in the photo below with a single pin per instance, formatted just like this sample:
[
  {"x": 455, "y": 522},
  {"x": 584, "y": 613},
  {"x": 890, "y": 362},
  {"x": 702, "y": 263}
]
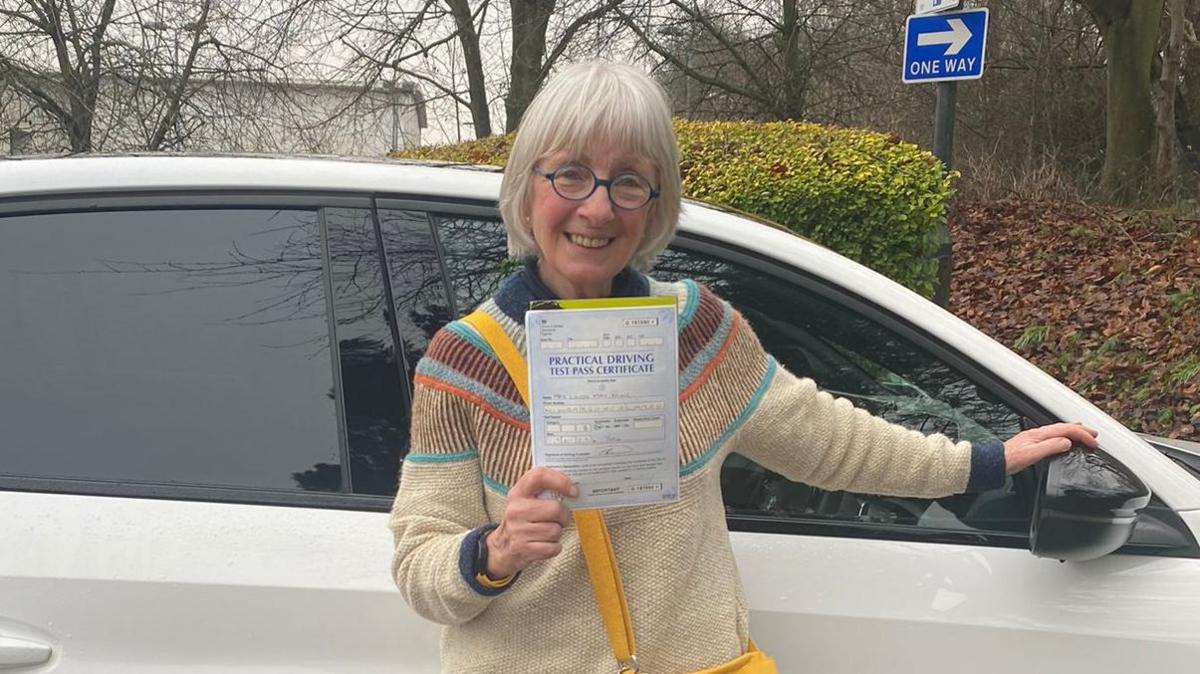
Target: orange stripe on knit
[
  {"x": 425, "y": 380},
  {"x": 712, "y": 364}
]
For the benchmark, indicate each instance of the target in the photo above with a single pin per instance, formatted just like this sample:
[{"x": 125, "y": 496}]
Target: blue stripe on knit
[
  {"x": 420, "y": 457},
  {"x": 423, "y": 457},
  {"x": 690, "y": 302},
  {"x": 494, "y": 485},
  {"x": 432, "y": 368},
  {"x": 751, "y": 405},
  {"x": 709, "y": 351},
  {"x": 466, "y": 332}
]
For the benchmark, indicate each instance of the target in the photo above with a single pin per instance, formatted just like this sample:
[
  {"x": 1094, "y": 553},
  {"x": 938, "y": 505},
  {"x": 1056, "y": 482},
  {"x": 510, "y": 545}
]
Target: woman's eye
[
  {"x": 572, "y": 176},
  {"x": 630, "y": 183}
]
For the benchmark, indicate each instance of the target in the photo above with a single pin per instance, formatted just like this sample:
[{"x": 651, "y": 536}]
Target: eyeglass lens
[{"x": 628, "y": 190}]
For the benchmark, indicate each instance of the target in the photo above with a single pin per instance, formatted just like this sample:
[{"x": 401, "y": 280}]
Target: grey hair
[{"x": 584, "y": 103}]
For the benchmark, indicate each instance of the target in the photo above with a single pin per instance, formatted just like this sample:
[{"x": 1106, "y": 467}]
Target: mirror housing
[{"x": 1085, "y": 508}]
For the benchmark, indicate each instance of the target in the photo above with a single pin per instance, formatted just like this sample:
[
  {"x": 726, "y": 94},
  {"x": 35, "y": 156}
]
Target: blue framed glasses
[{"x": 574, "y": 182}]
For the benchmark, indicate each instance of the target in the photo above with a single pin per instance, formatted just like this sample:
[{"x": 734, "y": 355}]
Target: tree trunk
[
  {"x": 792, "y": 105},
  {"x": 1166, "y": 139},
  {"x": 529, "y": 21},
  {"x": 481, "y": 116},
  {"x": 1187, "y": 100},
  {"x": 1129, "y": 29}
]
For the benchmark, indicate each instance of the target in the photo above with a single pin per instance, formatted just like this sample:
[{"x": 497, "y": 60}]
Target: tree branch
[
  {"x": 569, "y": 34},
  {"x": 686, "y": 69}
]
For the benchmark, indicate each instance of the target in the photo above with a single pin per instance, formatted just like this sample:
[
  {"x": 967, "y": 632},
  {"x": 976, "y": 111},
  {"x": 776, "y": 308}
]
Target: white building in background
[{"x": 295, "y": 117}]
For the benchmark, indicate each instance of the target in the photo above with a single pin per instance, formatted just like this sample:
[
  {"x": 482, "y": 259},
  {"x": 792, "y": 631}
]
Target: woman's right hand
[{"x": 532, "y": 526}]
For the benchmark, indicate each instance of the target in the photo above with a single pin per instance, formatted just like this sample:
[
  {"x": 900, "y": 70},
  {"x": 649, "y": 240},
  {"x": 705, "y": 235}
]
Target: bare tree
[
  {"x": 758, "y": 56},
  {"x": 56, "y": 58},
  {"x": 145, "y": 74}
]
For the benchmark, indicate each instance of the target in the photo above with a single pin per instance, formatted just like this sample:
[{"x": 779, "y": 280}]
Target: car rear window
[{"x": 167, "y": 346}]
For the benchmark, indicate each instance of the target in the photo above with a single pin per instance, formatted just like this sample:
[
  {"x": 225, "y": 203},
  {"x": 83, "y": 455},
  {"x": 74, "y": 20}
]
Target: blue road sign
[{"x": 945, "y": 47}]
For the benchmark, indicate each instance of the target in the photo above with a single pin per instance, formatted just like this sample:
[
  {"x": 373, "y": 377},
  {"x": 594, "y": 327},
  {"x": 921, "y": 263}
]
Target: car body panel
[
  {"x": 951, "y": 606},
  {"x": 127, "y": 584},
  {"x": 1188, "y": 446},
  {"x": 121, "y": 584}
]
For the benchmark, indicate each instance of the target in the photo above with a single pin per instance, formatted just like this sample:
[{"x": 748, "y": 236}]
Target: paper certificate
[{"x": 604, "y": 397}]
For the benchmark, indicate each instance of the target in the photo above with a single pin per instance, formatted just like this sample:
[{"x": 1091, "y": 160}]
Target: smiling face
[{"x": 584, "y": 244}]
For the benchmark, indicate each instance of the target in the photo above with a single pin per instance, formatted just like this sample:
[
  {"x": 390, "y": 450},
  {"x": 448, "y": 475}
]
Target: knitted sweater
[{"x": 470, "y": 442}]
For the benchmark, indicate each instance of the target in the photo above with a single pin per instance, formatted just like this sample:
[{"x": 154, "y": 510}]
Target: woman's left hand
[{"x": 1028, "y": 447}]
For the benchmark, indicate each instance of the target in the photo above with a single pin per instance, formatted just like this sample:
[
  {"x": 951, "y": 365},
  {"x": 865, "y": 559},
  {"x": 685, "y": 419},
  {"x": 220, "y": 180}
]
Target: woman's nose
[{"x": 597, "y": 208}]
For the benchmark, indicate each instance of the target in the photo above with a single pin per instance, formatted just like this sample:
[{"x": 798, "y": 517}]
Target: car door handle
[{"x": 20, "y": 652}]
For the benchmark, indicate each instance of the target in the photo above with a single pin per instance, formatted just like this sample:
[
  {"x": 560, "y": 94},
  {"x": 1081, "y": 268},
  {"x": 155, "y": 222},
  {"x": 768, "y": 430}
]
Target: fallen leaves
[{"x": 1106, "y": 301}]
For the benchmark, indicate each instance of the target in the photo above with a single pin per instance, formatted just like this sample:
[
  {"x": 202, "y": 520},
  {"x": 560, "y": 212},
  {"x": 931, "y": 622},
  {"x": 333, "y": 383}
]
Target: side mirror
[{"x": 1085, "y": 508}]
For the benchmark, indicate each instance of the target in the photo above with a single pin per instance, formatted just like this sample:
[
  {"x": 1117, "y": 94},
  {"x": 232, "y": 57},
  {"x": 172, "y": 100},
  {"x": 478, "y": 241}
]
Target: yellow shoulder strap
[
  {"x": 593, "y": 532},
  {"x": 506, "y": 351}
]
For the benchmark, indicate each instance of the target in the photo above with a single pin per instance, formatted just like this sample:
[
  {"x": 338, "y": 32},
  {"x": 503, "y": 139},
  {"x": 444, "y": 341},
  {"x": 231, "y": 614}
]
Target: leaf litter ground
[{"x": 1106, "y": 301}]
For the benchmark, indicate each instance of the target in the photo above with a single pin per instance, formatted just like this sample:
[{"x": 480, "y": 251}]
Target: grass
[
  {"x": 1183, "y": 298},
  {"x": 1033, "y": 335},
  {"x": 1184, "y": 371}
]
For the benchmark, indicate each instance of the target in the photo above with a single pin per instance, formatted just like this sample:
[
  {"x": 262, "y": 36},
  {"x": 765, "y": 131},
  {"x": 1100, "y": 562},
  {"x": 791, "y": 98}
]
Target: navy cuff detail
[
  {"x": 987, "y": 466},
  {"x": 466, "y": 563}
]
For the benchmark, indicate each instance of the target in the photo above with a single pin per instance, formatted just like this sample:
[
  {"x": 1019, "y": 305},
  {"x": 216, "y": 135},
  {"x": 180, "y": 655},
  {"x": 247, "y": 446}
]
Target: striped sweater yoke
[{"x": 713, "y": 338}]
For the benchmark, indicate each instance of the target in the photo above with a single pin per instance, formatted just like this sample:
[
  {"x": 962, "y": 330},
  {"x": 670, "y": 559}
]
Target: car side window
[
  {"x": 418, "y": 284},
  {"x": 851, "y": 355},
  {"x": 476, "y": 253},
  {"x": 166, "y": 346},
  {"x": 374, "y": 400}
]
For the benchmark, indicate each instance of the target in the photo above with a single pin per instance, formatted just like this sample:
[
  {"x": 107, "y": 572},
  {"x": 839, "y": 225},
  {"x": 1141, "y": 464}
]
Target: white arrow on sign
[{"x": 957, "y": 37}]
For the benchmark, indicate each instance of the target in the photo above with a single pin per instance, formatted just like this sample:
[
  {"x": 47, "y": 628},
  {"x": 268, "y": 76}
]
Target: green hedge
[{"x": 861, "y": 193}]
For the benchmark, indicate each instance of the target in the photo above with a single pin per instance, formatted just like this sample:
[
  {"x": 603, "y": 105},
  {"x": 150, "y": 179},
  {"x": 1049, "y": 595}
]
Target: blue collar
[{"x": 524, "y": 286}]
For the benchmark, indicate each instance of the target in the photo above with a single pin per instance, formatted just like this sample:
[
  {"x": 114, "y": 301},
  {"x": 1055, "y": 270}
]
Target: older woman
[{"x": 590, "y": 196}]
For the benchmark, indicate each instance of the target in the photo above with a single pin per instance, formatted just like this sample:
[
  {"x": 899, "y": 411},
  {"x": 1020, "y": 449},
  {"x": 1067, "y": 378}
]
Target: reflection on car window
[
  {"x": 183, "y": 346},
  {"x": 418, "y": 288},
  {"x": 476, "y": 251},
  {"x": 376, "y": 409},
  {"x": 854, "y": 357}
]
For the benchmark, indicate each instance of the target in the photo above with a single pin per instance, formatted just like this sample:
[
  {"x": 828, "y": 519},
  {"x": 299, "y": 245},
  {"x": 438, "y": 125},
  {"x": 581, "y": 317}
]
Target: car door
[
  {"x": 845, "y": 582},
  {"x": 204, "y": 408}
]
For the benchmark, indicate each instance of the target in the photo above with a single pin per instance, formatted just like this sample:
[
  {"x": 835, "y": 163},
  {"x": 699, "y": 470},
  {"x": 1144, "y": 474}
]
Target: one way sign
[{"x": 944, "y": 47}]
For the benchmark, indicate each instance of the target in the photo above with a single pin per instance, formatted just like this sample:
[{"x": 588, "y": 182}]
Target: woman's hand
[
  {"x": 532, "y": 526},
  {"x": 1028, "y": 447}
]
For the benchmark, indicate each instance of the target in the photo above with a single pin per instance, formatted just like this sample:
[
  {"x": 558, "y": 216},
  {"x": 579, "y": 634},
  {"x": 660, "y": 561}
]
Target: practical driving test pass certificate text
[{"x": 604, "y": 397}]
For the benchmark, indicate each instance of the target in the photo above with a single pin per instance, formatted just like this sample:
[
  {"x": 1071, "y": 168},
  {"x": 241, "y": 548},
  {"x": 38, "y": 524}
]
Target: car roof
[{"x": 166, "y": 172}]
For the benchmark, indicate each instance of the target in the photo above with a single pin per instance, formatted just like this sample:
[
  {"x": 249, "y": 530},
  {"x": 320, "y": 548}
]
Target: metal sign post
[
  {"x": 944, "y": 47},
  {"x": 943, "y": 122}
]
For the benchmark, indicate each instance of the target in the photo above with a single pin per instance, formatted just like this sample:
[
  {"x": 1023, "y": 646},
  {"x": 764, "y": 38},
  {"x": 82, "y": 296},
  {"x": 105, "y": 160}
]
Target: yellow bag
[{"x": 595, "y": 542}]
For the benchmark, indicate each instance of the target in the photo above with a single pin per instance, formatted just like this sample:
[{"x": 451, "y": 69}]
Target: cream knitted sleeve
[
  {"x": 439, "y": 503},
  {"x": 807, "y": 435}
]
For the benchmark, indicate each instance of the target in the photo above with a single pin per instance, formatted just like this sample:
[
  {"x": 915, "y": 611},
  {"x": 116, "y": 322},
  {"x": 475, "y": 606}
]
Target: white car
[{"x": 204, "y": 395}]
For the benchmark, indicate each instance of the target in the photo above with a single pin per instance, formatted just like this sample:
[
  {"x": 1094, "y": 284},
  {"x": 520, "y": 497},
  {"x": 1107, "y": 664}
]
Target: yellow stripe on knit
[{"x": 491, "y": 584}]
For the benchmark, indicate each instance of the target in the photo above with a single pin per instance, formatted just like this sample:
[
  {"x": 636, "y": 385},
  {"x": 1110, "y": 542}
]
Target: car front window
[{"x": 854, "y": 356}]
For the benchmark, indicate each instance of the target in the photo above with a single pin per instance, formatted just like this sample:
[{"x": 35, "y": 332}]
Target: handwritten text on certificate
[{"x": 604, "y": 398}]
